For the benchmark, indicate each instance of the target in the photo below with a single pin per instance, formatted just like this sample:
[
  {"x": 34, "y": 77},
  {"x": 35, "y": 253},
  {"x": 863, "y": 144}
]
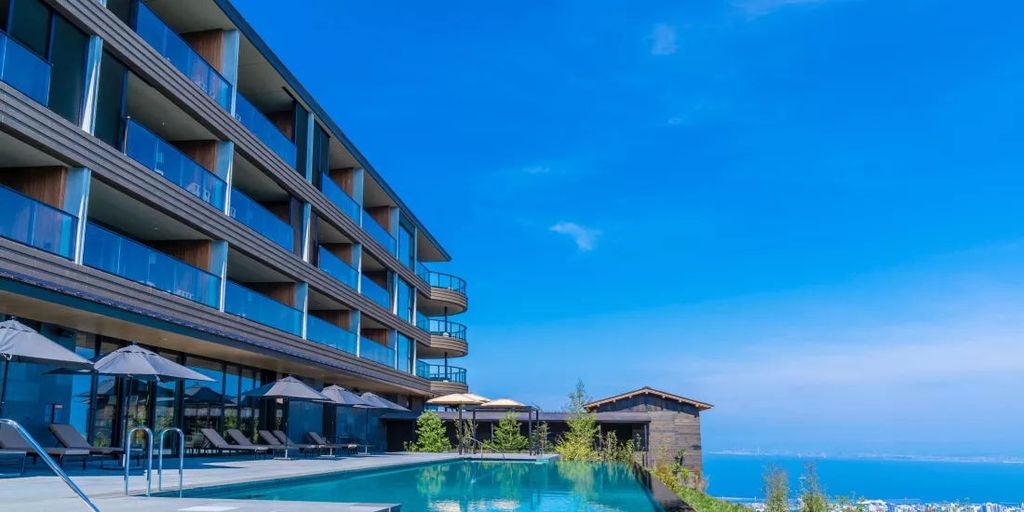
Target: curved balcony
[
  {"x": 443, "y": 379},
  {"x": 446, "y": 338},
  {"x": 447, "y": 294}
]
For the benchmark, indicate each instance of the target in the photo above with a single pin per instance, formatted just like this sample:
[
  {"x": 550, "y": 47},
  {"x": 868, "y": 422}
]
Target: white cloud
[
  {"x": 537, "y": 169},
  {"x": 585, "y": 238},
  {"x": 675, "y": 121},
  {"x": 758, "y": 8},
  {"x": 663, "y": 40}
]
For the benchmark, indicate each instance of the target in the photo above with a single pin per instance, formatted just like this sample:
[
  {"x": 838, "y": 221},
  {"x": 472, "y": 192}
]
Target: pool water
[{"x": 469, "y": 486}]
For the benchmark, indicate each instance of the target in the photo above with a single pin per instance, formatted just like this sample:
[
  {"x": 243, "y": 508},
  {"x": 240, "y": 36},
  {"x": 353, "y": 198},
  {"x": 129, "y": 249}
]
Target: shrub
[
  {"x": 776, "y": 490},
  {"x": 812, "y": 496},
  {"x": 542, "y": 437},
  {"x": 431, "y": 435},
  {"x": 508, "y": 437},
  {"x": 688, "y": 486},
  {"x": 577, "y": 444},
  {"x": 614, "y": 451}
]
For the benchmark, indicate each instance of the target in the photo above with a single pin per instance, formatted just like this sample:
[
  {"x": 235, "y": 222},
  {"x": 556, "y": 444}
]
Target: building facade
[{"x": 166, "y": 181}]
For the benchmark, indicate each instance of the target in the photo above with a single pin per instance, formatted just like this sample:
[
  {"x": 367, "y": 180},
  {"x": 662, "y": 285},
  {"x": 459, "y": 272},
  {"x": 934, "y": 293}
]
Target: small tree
[
  {"x": 812, "y": 496},
  {"x": 431, "y": 435},
  {"x": 776, "y": 490},
  {"x": 542, "y": 437},
  {"x": 508, "y": 437},
  {"x": 578, "y": 442},
  {"x": 614, "y": 451},
  {"x": 465, "y": 433}
]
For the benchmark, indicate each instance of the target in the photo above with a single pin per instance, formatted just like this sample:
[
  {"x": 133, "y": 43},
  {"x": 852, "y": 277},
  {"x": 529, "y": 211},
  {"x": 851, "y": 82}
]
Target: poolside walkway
[{"x": 41, "y": 491}]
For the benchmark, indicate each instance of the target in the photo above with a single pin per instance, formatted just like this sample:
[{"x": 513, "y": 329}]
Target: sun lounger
[
  {"x": 272, "y": 440},
  {"x": 218, "y": 443},
  {"x": 15, "y": 453},
  {"x": 68, "y": 436},
  {"x": 10, "y": 439},
  {"x": 319, "y": 439}
]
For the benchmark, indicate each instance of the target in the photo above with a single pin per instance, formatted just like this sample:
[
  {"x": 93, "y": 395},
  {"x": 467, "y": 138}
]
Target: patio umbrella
[
  {"x": 503, "y": 403},
  {"x": 375, "y": 401},
  {"x": 344, "y": 397},
  {"x": 20, "y": 343},
  {"x": 458, "y": 400},
  {"x": 134, "y": 362},
  {"x": 288, "y": 388}
]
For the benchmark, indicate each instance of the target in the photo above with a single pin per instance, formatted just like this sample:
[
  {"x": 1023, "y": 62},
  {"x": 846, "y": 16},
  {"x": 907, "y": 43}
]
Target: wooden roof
[{"x": 647, "y": 390}]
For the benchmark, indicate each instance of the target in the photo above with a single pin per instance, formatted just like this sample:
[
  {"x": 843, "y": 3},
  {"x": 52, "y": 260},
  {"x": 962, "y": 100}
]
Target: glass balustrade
[
  {"x": 376, "y": 293},
  {"x": 442, "y": 327},
  {"x": 440, "y": 373},
  {"x": 169, "y": 44},
  {"x": 252, "y": 214},
  {"x": 337, "y": 268},
  {"x": 339, "y": 197},
  {"x": 22, "y": 69},
  {"x": 264, "y": 129},
  {"x": 110, "y": 252},
  {"x": 36, "y": 224},
  {"x": 378, "y": 233},
  {"x": 146, "y": 148},
  {"x": 446, "y": 281},
  {"x": 369, "y": 349},
  {"x": 246, "y": 303},
  {"x": 324, "y": 332}
]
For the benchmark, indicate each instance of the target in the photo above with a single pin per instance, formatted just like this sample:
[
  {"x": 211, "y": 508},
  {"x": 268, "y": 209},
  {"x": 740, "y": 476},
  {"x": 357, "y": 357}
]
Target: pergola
[{"x": 461, "y": 401}]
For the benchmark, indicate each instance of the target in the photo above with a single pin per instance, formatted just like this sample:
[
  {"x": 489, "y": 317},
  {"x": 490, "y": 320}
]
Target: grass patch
[{"x": 701, "y": 502}]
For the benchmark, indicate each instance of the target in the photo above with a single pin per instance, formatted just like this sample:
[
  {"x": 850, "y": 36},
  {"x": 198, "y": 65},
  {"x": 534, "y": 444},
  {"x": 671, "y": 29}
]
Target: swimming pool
[{"x": 467, "y": 486}]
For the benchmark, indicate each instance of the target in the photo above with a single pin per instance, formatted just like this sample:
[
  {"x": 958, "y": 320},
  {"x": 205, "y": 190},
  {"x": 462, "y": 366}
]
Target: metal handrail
[
  {"x": 181, "y": 460},
  {"x": 128, "y": 458},
  {"x": 49, "y": 461}
]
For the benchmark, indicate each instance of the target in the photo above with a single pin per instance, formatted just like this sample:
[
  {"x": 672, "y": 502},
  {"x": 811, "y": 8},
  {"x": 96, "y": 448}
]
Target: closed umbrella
[
  {"x": 288, "y": 388},
  {"x": 375, "y": 401},
  {"x": 344, "y": 397},
  {"x": 20, "y": 343}
]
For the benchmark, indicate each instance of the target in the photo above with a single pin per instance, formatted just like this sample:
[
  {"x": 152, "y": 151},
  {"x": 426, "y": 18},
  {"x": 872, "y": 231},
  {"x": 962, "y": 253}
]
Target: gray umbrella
[
  {"x": 20, "y": 343},
  {"x": 381, "y": 403},
  {"x": 288, "y": 388},
  {"x": 344, "y": 397}
]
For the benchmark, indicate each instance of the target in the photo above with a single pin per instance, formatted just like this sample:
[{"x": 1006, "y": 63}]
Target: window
[
  {"x": 110, "y": 100},
  {"x": 404, "y": 353},
  {"x": 29, "y": 23},
  {"x": 406, "y": 245},
  {"x": 67, "y": 78},
  {"x": 405, "y": 299}
]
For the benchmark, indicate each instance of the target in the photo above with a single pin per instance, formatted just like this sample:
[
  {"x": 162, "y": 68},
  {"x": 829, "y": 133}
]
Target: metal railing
[
  {"x": 446, "y": 328},
  {"x": 446, "y": 281},
  {"x": 48, "y": 460},
  {"x": 128, "y": 458},
  {"x": 440, "y": 372},
  {"x": 181, "y": 460}
]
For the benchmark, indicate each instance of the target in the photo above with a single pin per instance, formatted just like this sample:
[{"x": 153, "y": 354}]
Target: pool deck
[{"x": 40, "y": 490}]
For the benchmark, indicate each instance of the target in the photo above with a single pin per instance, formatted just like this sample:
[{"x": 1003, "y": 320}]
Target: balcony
[
  {"x": 337, "y": 268},
  {"x": 118, "y": 255},
  {"x": 376, "y": 293},
  {"x": 329, "y": 334},
  {"x": 378, "y": 233},
  {"x": 443, "y": 379},
  {"x": 265, "y": 130},
  {"x": 246, "y": 303},
  {"x": 447, "y": 293},
  {"x": 22, "y": 69},
  {"x": 161, "y": 157},
  {"x": 169, "y": 44},
  {"x": 261, "y": 220},
  {"x": 373, "y": 351},
  {"x": 340, "y": 198},
  {"x": 447, "y": 338},
  {"x": 36, "y": 224}
]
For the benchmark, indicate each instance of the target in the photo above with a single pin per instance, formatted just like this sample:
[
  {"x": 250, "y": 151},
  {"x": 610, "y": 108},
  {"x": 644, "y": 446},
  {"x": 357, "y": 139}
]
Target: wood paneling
[
  {"x": 281, "y": 292},
  {"x": 284, "y": 121},
  {"x": 44, "y": 184},
  {"x": 204, "y": 152},
  {"x": 377, "y": 335},
  {"x": 281, "y": 209},
  {"x": 339, "y": 317},
  {"x": 381, "y": 214},
  {"x": 345, "y": 179},
  {"x": 194, "y": 252},
  {"x": 209, "y": 44},
  {"x": 344, "y": 252},
  {"x": 378, "y": 276}
]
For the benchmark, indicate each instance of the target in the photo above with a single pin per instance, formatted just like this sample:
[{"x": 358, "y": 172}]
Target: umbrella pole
[
  {"x": 124, "y": 419},
  {"x": 3, "y": 385},
  {"x": 284, "y": 415}
]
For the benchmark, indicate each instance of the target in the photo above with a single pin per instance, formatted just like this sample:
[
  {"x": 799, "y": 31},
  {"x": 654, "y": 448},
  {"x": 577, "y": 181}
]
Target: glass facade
[
  {"x": 405, "y": 295},
  {"x": 342, "y": 200},
  {"x": 246, "y": 303},
  {"x": 264, "y": 129},
  {"x": 322, "y": 331},
  {"x": 263, "y": 221},
  {"x": 36, "y": 224},
  {"x": 146, "y": 148},
  {"x": 376, "y": 292},
  {"x": 378, "y": 233},
  {"x": 406, "y": 246},
  {"x": 404, "y": 347},
  {"x": 337, "y": 267},
  {"x": 369, "y": 349}
]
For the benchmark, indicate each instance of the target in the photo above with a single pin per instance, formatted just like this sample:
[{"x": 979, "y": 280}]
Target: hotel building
[{"x": 166, "y": 181}]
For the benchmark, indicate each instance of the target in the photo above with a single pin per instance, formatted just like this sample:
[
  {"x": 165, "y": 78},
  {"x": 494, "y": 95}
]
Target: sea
[{"x": 901, "y": 480}]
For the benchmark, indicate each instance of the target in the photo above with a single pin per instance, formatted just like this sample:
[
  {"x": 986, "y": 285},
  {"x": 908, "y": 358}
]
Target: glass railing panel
[
  {"x": 442, "y": 327},
  {"x": 440, "y": 373},
  {"x": 146, "y": 148},
  {"x": 376, "y": 293},
  {"x": 422, "y": 321},
  {"x": 246, "y": 303},
  {"x": 422, "y": 271},
  {"x": 339, "y": 197},
  {"x": 321, "y": 331},
  {"x": 264, "y": 129},
  {"x": 379, "y": 233},
  {"x": 36, "y": 224},
  {"x": 169, "y": 44},
  {"x": 369, "y": 349},
  {"x": 337, "y": 268},
  {"x": 252, "y": 214},
  {"x": 447, "y": 281},
  {"x": 22, "y": 69},
  {"x": 113, "y": 253}
]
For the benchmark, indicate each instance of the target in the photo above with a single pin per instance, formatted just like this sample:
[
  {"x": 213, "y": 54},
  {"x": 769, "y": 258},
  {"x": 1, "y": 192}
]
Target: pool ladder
[
  {"x": 41, "y": 452},
  {"x": 160, "y": 457}
]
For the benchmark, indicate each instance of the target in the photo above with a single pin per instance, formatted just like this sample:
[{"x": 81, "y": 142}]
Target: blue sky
[{"x": 806, "y": 212}]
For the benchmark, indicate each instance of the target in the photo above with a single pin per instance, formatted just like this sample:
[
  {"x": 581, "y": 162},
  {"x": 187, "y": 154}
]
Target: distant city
[
  {"x": 1004, "y": 459},
  {"x": 900, "y": 506}
]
